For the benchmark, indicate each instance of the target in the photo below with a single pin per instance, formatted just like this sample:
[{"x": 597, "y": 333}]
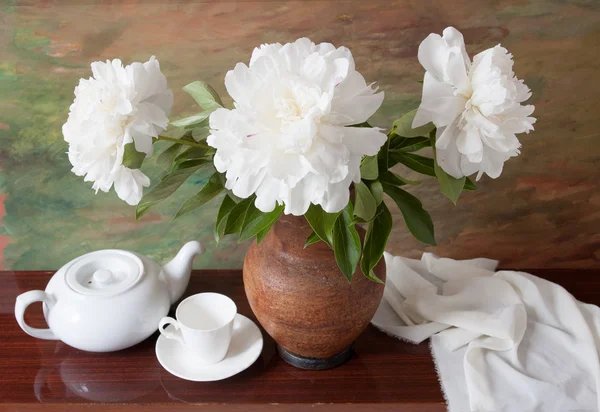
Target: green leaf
[
  {"x": 190, "y": 154},
  {"x": 224, "y": 210},
  {"x": 365, "y": 204},
  {"x": 398, "y": 142},
  {"x": 200, "y": 133},
  {"x": 229, "y": 192},
  {"x": 237, "y": 216},
  {"x": 405, "y": 144},
  {"x": 358, "y": 221},
  {"x": 166, "y": 187},
  {"x": 211, "y": 189},
  {"x": 375, "y": 241},
  {"x": 186, "y": 164},
  {"x": 383, "y": 157},
  {"x": 403, "y": 126},
  {"x": 313, "y": 238},
  {"x": 368, "y": 168},
  {"x": 260, "y": 236},
  {"x": 131, "y": 157},
  {"x": 197, "y": 120},
  {"x": 204, "y": 95},
  {"x": 346, "y": 243},
  {"x": 423, "y": 165},
  {"x": 392, "y": 178},
  {"x": 321, "y": 222},
  {"x": 469, "y": 185},
  {"x": 376, "y": 190},
  {"x": 252, "y": 214},
  {"x": 263, "y": 222},
  {"x": 417, "y": 144},
  {"x": 449, "y": 185},
  {"x": 417, "y": 219},
  {"x": 165, "y": 159}
]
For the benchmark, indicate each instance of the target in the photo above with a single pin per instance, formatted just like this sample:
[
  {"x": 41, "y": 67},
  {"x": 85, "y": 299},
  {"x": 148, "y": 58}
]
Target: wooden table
[{"x": 384, "y": 374}]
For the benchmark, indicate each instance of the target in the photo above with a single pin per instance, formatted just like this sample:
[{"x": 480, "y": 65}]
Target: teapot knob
[{"x": 102, "y": 276}]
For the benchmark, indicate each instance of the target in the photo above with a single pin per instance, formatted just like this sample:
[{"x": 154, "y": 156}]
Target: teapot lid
[{"x": 104, "y": 272}]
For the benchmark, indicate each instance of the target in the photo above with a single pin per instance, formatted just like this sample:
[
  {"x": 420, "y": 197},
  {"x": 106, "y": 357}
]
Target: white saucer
[{"x": 246, "y": 346}]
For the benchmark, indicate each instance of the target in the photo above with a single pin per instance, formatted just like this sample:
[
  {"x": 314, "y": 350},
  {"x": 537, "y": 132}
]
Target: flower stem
[{"x": 185, "y": 142}]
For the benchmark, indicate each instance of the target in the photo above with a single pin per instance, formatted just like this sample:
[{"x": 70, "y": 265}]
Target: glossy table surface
[{"x": 383, "y": 373}]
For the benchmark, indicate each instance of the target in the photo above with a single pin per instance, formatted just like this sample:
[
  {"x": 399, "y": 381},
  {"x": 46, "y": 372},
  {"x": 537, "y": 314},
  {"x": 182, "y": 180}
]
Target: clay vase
[{"x": 302, "y": 299}]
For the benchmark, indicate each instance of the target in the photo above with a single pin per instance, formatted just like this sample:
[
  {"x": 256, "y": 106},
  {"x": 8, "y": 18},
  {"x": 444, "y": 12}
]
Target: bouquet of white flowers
[{"x": 298, "y": 139}]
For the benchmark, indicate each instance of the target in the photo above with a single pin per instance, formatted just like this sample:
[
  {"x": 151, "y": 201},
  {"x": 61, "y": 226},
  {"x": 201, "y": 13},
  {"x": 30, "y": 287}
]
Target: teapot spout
[{"x": 178, "y": 270}]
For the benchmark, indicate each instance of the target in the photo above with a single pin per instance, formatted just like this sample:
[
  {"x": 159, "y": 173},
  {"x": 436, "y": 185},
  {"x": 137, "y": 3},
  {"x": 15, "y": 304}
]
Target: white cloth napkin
[{"x": 502, "y": 341}]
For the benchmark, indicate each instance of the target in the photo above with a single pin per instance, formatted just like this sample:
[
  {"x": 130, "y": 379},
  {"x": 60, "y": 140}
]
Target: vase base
[{"x": 302, "y": 362}]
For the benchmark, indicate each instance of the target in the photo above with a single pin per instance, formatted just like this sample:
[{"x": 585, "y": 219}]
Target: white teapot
[{"x": 109, "y": 299}]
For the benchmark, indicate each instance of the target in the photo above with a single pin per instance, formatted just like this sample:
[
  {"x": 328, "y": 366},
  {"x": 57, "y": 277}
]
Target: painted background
[{"x": 543, "y": 212}]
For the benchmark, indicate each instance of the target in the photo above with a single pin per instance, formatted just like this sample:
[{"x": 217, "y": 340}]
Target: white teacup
[{"x": 204, "y": 326}]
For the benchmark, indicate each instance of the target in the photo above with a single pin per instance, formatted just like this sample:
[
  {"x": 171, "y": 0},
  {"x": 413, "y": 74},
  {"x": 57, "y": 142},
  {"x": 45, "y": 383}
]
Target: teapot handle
[{"x": 27, "y": 299}]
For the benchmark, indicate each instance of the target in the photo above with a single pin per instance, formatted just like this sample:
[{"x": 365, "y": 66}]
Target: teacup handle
[
  {"x": 26, "y": 299},
  {"x": 168, "y": 334}
]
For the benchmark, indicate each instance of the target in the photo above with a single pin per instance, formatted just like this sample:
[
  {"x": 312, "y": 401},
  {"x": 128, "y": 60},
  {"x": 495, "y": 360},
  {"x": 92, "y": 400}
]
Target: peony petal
[
  {"x": 454, "y": 38},
  {"x": 457, "y": 73},
  {"x": 364, "y": 140},
  {"x": 354, "y": 101},
  {"x": 304, "y": 46},
  {"x": 433, "y": 55},
  {"x": 467, "y": 167},
  {"x": 354, "y": 84},
  {"x": 247, "y": 184},
  {"x": 330, "y": 160},
  {"x": 469, "y": 141},
  {"x": 299, "y": 197},
  {"x": 523, "y": 92},
  {"x": 434, "y": 92},
  {"x": 220, "y": 163},
  {"x": 267, "y": 194},
  {"x": 325, "y": 48},
  {"x": 356, "y": 109},
  {"x": 505, "y": 143},
  {"x": 129, "y": 185},
  {"x": 444, "y": 110},
  {"x": 354, "y": 169},
  {"x": 219, "y": 119},
  {"x": 264, "y": 50},
  {"x": 224, "y": 140},
  {"x": 493, "y": 163},
  {"x": 313, "y": 68},
  {"x": 143, "y": 143},
  {"x": 331, "y": 133},
  {"x": 447, "y": 135},
  {"x": 449, "y": 160},
  {"x": 297, "y": 136},
  {"x": 337, "y": 197},
  {"x": 287, "y": 167},
  {"x": 434, "y": 88},
  {"x": 241, "y": 83},
  {"x": 422, "y": 117},
  {"x": 337, "y": 73}
]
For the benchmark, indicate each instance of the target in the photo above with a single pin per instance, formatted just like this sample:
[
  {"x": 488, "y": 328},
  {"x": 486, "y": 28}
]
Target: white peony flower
[
  {"x": 116, "y": 106},
  {"x": 476, "y": 107},
  {"x": 288, "y": 140}
]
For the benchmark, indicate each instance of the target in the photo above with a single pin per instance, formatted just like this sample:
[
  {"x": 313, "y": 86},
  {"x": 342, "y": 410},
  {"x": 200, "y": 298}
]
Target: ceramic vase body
[{"x": 302, "y": 299}]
